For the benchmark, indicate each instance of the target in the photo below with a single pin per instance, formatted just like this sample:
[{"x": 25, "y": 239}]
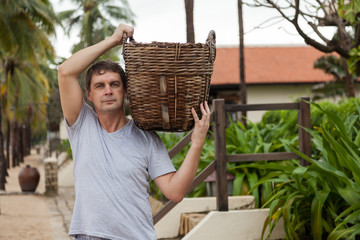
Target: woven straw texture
[{"x": 166, "y": 80}]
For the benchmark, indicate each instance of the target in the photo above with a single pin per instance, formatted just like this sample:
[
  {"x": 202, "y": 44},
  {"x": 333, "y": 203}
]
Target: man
[{"x": 113, "y": 159}]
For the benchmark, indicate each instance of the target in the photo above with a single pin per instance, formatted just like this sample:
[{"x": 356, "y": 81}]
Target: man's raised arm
[{"x": 69, "y": 71}]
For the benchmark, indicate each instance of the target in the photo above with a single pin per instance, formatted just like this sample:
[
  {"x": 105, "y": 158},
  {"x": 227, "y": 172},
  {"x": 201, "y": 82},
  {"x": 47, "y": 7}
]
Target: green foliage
[
  {"x": 349, "y": 11},
  {"x": 25, "y": 55},
  {"x": 354, "y": 60},
  {"x": 65, "y": 147},
  {"x": 252, "y": 139},
  {"x": 321, "y": 200},
  {"x": 94, "y": 20}
]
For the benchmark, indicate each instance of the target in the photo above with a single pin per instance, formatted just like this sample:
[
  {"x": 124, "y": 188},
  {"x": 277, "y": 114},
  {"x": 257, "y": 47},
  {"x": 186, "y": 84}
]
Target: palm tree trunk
[
  {"x": 27, "y": 139},
  {"x": 3, "y": 169},
  {"x": 27, "y": 132},
  {"x": 14, "y": 144},
  {"x": 8, "y": 130},
  {"x": 21, "y": 143},
  {"x": 189, "y": 10},
  {"x": 242, "y": 61}
]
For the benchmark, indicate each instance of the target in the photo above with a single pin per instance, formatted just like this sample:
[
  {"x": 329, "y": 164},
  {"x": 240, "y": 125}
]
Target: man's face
[{"x": 106, "y": 92}]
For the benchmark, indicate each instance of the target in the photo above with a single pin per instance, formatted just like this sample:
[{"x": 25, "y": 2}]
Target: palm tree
[
  {"x": 25, "y": 26},
  {"x": 93, "y": 18}
]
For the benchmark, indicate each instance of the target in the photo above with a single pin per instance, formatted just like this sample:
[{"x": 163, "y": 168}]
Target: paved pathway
[
  {"x": 34, "y": 215},
  {"x": 60, "y": 208}
]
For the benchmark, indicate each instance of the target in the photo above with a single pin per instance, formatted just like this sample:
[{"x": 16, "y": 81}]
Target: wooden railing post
[
  {"x": 304, "y": 120},
  {"x": 220, "y": 155}
]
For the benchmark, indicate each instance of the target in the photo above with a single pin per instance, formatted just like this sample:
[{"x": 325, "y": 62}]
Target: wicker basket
[{"x": 166, "y": 80}]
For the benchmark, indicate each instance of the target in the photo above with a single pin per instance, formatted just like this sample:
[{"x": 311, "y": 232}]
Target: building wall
[
  {"x": 258, "y": 94},
  {"x": 274, "y": 94}
]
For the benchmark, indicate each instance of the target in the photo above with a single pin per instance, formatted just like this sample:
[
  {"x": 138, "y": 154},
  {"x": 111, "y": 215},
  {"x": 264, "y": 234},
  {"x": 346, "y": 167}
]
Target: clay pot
[{"x": 29, "y": 179}]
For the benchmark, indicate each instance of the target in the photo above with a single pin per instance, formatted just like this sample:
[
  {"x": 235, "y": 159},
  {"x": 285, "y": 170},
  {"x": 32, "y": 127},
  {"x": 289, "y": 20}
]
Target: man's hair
[{"x": 102, "y": 67}]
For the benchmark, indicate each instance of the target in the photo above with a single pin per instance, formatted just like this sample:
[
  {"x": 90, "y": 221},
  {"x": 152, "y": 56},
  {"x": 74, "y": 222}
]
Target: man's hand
[
  {"x": 201, "y": 125},
  {"x": 175, "y": 185},
  {"x": 120, "y": 30}
]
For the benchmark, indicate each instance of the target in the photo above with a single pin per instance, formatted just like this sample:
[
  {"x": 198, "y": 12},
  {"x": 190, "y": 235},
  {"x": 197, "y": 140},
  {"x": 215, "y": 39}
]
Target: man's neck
[{"x": 112, "y": 121}]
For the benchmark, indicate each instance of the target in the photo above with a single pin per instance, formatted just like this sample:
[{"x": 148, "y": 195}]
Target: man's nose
[{"x": 108, "y": 90}]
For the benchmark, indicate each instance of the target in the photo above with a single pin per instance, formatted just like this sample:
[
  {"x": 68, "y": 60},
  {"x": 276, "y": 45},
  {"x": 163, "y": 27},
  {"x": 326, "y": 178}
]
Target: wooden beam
[
  {"x": 258, "y": 107},
  {"x": 180, "y": 145},
  {"x": 304, "y": 121},
  {"x": 261, "y": 157},
  {"x": 220, "y": 155}
]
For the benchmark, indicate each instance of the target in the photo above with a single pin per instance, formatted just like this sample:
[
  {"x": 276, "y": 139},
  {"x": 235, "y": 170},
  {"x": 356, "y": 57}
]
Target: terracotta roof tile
[{"x": 266, "y": 65}]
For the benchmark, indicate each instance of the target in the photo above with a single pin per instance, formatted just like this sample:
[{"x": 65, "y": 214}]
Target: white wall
[
  {"x": 235, "y": 225},
  {"x": 63, "y": 132},
  {"x": 168, "y": 226},
  {"x": 273, "y": 94}
]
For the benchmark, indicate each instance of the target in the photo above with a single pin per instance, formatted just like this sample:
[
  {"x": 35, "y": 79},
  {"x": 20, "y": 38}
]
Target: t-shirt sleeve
[
  {"x": 75, "y": 130},
  {"x": 159, "y": 160},
  {"x": 72, "y": 131}
]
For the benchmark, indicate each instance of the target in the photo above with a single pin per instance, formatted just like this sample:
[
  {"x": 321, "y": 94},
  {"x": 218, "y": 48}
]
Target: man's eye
[
  {"x": 98, "y": 86},
  {"x": 115, "y": 84}
]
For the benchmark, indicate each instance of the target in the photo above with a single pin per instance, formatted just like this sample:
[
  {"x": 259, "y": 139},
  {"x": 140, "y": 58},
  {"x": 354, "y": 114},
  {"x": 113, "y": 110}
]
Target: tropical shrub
[
  {"x": 251, "y": 139},
  {"x": 322, "y": 200}
]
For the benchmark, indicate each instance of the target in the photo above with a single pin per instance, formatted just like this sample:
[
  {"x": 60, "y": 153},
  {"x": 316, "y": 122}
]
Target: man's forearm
[
  {"x": 185, "y": 175},
  {"x": 82, "y": 59},
  {"x": 175, "y": 185}
]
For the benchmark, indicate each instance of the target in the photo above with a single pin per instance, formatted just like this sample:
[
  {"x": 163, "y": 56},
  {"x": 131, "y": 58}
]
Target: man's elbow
[
  {"x": 177, "y": 197},
  {"x": 63, "y": 72}
]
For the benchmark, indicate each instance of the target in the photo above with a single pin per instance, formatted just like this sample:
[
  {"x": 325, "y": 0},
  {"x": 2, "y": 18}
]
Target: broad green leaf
[
  {"x": 298, "y": 176},
  {"x": 290, "y": 230},
  {"x": 253, "y": 179},
  {"x": 266, "y": 192},
  {"x": 333, "y": 118},
  {"x": 328, "y": 169},
  {"x": 316, "y": 214},
  {"x": 237, "y": 184},
  {"x": 275, "y": 197},
  {"x": 344, "y": 158}
]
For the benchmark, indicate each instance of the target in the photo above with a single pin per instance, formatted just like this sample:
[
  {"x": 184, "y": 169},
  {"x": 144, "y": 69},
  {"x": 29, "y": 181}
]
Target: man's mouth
[{"x": 108, "y": 101}]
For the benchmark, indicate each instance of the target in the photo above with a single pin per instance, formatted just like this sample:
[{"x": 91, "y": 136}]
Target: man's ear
[{"x": 88, "y": 95}]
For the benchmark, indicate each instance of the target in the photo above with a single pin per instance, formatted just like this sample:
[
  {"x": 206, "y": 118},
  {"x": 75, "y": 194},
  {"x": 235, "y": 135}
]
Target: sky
[{"x": 164, "y": 21}]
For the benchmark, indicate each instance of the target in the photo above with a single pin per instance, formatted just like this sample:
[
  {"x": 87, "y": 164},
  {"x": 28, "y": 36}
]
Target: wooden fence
[{"x": 221, "y": 158}]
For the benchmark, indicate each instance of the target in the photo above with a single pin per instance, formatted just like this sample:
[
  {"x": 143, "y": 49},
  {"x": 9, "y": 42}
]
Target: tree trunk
[
  {"x": 349, "y": 80},
  {"x": 14, "y": 144},
  {"x": 27, "y": 138},
  {"x": 189, "y": 10},
  {"x": 8, "y": 130},
  {"x": 242, "y": 62},
  {"x": 3, "y": 169},
  {"x": 21, "y": 143}
]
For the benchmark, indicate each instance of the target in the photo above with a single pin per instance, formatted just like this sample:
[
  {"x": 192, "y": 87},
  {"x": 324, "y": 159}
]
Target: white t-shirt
[{"x": 111, "y": 178}]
